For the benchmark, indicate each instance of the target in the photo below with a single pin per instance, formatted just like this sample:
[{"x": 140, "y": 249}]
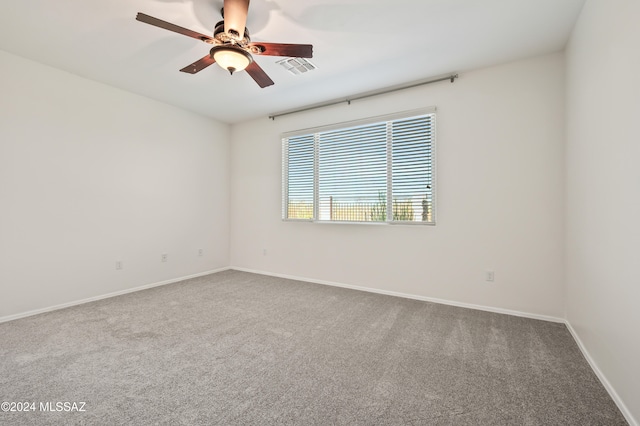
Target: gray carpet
[{"x": 242, "y": 349}]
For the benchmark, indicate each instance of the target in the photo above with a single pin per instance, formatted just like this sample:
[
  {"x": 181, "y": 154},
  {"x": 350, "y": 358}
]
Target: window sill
[{"x": 345, "y": 222}]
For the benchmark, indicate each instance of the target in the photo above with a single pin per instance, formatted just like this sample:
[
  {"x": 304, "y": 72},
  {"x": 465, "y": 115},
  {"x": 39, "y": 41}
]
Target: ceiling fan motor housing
[{"x": 226, "y": 38}]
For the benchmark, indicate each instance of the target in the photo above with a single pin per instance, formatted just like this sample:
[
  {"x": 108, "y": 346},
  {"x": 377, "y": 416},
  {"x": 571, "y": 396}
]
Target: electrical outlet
[
  {"x": 264, "y": 252},
  {"x": 164, "y": 257},
  {"x": 489, "y": 276},
  {"x": 200, "y": 252},
  {"x": 118, "y": 264}
]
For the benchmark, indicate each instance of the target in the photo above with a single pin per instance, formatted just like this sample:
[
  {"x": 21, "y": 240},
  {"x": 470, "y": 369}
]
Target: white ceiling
[{"x": 359, "y": 45}]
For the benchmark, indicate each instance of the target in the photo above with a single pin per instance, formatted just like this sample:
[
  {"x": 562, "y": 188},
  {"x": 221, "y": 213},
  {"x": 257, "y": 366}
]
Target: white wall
[
  {"x": 500, "y": 153},
  {"x": 603, "y": 187},
  {"x": 89, "y": 175}
]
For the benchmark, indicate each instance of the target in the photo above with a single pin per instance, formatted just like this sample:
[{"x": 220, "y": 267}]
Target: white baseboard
[
  {"x": 603, "y": 379},
  {"x": 408, "y": 296},
  {"x": 106, "y": 296}
]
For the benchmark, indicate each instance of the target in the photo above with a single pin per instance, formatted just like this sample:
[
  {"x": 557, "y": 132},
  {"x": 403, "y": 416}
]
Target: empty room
[{"x": 320, "y": 213}]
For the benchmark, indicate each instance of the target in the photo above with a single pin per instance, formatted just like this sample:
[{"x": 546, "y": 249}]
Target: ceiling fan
[{"x": 232, "y": 47}]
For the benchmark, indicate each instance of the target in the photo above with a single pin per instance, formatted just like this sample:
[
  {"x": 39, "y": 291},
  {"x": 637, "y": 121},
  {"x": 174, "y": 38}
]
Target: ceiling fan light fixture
[{"x": 231, "y": 58}]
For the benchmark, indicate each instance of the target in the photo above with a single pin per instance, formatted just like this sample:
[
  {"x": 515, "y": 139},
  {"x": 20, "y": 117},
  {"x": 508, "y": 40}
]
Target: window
[{"x": 378, "y": 170}]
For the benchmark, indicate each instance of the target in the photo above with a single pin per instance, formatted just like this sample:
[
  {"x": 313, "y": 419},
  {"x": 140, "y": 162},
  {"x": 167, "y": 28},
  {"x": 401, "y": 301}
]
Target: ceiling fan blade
[
  {"x": 258, "y": 75},
  {"x": 199, "y": 65},
  {"x": 282, "y": 49},
  {"x": 235, "y": 16},
  {"x": 171, "y": 27}
]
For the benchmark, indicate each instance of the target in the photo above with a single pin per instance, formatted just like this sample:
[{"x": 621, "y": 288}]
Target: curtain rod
[{"x": 348, "y": 100}]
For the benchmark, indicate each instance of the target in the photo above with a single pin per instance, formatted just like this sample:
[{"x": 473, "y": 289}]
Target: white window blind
[
  {"x": 299, "y": 178},
  {"x": 379, "y": 170}
]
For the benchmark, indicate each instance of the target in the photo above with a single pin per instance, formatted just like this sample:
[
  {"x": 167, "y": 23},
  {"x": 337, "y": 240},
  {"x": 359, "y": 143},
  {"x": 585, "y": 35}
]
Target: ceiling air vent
[{"x": 296, "y": 66}]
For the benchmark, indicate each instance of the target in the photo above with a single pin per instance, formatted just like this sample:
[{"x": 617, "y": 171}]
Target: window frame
[{"x": 315, "y": 131}]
